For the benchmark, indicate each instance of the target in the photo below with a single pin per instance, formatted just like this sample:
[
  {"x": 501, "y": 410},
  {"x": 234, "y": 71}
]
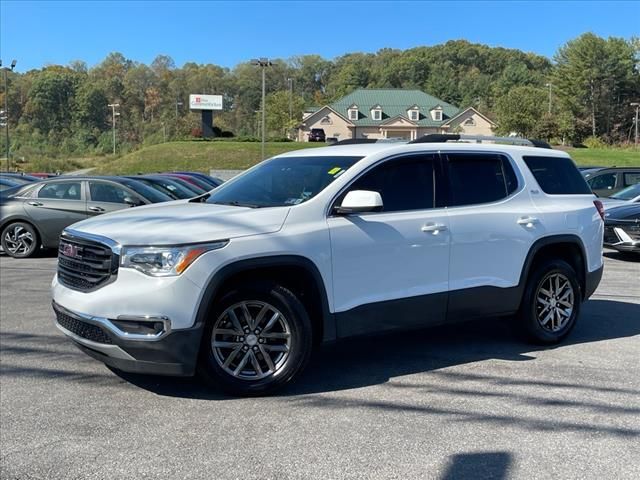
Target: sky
[{"x": 227, "y": 33}]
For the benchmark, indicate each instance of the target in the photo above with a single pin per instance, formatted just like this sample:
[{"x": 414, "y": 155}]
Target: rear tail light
[{"x": 600, "y": 208}]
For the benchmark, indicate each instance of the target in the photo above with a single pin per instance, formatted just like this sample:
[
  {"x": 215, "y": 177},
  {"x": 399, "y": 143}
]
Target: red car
[
  {"x": 191, "y": 179},
  {"x": 42, "y": 175}
]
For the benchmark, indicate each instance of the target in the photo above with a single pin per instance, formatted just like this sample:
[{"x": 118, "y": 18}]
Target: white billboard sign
[{"x": 205, "y": 102}]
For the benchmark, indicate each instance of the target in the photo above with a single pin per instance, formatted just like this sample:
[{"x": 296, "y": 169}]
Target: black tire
[
  {"x": 20, "y": 240},
  {"x": 533, "y": 312},
  {"x": 256, "y": 296}
]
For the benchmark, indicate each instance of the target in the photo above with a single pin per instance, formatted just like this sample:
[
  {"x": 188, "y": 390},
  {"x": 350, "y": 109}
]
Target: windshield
[
  {"x": 282, "y": 181},
  {"x": 628, "y": 193}
]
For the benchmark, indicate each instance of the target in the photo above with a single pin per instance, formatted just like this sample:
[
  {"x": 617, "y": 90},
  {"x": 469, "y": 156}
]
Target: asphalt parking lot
[{"x": 446, "y": 403}]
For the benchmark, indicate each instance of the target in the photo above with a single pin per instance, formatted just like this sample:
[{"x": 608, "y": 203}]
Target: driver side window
[{"x": 404, "y": 183}]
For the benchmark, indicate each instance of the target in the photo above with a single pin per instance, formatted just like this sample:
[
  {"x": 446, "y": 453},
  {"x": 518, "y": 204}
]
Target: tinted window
[
  {"x": 106, "y": 192},
  {"x": 557, "y": 175},
  {"x": 631, "y": 178},
  {"x": 403, "y": 184},
  {"x": 61, "y": 191},
  {"x": 604, "y": 181},
  {"x": 479, "y": 178},
  {"x": 146, "y": 192}
]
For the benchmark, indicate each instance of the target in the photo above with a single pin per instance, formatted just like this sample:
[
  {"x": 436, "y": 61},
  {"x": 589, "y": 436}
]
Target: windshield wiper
[
  {"x": 236, "y": 203},
  {"x": 200, "y": 198}
]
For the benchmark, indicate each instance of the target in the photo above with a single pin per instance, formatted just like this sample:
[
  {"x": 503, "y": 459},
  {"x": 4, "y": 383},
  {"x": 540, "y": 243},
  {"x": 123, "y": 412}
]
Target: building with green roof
[{"x": 392, "y": 113}]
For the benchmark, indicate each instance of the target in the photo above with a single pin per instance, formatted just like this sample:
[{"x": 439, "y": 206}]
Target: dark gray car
[{"x": 36, "y": 214}]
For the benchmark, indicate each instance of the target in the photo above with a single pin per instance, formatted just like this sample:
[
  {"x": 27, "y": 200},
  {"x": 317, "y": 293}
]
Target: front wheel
[
  {"x": 20, "y": 240},
  {"x": 551, "y": 302},
  {"x": 257, "y": 340}
]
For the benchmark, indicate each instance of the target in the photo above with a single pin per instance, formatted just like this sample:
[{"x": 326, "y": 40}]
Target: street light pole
[
  {"x": 113, "y": 122},
  {"x": 263, "y": 63},
  {"x": 550, "y": 85},
  {"x": 637, "y": 105},
  {"x": 6, "y": 111}
]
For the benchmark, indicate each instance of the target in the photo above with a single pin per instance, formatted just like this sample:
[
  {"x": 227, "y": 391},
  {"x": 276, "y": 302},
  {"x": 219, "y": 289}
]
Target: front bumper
[{"x": 167, "y": 353}]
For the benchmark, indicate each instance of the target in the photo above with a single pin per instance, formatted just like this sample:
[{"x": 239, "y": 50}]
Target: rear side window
[
  {"x": 557, "y": 175},
  {"x": 479, "y": 178},
  {"x": 61, "y": 191}
]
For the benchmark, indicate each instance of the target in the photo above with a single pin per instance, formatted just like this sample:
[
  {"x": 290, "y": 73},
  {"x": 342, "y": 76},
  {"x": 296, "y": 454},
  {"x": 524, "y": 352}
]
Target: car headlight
[{"x": 165, "y": 261}]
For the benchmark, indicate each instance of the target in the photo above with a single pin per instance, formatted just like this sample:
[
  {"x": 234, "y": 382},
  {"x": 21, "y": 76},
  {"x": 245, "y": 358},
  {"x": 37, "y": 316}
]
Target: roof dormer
[
  {"x": 376, "y": 113},
  {"x": 436, "y": 113},
  {"x": 413, "y": 113},
  {"x": 353, "y": 112}
]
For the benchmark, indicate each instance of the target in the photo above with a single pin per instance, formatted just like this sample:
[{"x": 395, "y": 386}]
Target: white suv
[{"x": 322, "y": 244}]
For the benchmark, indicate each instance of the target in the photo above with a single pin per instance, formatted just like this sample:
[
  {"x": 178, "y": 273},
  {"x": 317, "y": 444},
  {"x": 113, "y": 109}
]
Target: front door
[
  {"x": 107, "y": 197},
  {"x": 390, "y": 268}
]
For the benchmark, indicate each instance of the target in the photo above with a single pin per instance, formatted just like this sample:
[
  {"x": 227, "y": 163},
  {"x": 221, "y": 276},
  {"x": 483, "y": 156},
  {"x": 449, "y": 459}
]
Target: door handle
[
  {"x": 96, "y": 209},
  {"x": 434, "y": 228},
  {"x": 35, "y": 204},
  {"x": 528, "y": 222}
]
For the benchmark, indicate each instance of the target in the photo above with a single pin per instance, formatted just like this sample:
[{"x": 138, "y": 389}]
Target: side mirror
[
  {"x": 132, "y": 202},
  {"x": 358, "y": 201}
]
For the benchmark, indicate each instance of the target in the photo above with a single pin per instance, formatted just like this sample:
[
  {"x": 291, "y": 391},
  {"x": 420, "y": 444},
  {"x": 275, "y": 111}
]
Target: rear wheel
[
  {"x": 257, "y": 340},
  {"x": 551, "y": 302},
  {"x": 20, "y": 240}
]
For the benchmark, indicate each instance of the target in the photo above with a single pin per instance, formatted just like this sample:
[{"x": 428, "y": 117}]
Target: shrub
[{"x": 594, "y": 142}]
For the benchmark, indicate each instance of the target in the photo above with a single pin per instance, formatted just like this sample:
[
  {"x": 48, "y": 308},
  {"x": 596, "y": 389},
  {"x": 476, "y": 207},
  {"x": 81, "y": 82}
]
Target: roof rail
[
  {"x": 453, "y": 137},
  {"x": 357, "y": 141}
]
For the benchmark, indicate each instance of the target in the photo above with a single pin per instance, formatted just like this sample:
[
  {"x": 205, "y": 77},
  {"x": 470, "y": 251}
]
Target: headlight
[{"x": 165, "y": 261}]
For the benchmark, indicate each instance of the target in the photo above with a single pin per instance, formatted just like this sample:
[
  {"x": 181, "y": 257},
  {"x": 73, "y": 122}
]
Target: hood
[
  {"x": 180, "y": 222},
  {"x": 625, "y": 212}
]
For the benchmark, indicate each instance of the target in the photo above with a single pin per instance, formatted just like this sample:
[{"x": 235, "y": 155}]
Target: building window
[
  {"x": 376, "y": 114},
  {"x": 353, "y": 114},
  {"x": 437, "y": 115},
  {"x": 469, "y": 122},
  {"x": 414, "y": 115},
  {"x": 326, "y": 120}
]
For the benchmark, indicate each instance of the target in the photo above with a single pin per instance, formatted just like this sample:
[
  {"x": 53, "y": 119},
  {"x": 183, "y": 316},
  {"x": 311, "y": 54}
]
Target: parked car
[
  {"x": 622, "y": 228},
  {"x": 213, "y": 181},
  {"x": 35, "y": 216},
  {"x": 43, "y": 175},
  {"x": 317, "y": 245},
  {"x": 201, "y": 184},
  {"x": 167, "y": 185},
  {"x": 6, "y": 183},
  {"x": 604, "y": 182},
  {"x": 626, "y": 195},
  {"x": 317, "y": 135},
  {"x": 20, "y": 177}
]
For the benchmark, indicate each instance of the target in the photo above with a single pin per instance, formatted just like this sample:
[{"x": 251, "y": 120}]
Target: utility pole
[
  {"x": 637, "y": 105},
  {"x": 113, "y": 122},
  {"x": 550, "y": 85},
  {"x": 290, "y": 80},
  {"x": 263, "y": 63},
  {"x": 6, "y": 111}
]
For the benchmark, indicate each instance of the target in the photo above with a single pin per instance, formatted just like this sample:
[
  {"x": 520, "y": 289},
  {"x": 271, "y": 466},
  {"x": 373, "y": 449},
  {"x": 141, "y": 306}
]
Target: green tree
[
  {"x": 521, "y": 110},
  {"x": 279, "y": 123}
]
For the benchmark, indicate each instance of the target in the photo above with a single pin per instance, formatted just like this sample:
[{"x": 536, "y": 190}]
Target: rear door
[
  {"x": 104, "y": 197},
  {"x": 493, "y": 225},
  {"x": 56, "y": 205}
]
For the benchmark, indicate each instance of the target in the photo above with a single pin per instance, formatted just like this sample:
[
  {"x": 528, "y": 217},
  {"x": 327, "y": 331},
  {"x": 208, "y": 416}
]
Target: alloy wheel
[
  {"x": 18, "y": 240},
  {"x": 555, "y": 299},
  {"x": 251, "y": 340}
]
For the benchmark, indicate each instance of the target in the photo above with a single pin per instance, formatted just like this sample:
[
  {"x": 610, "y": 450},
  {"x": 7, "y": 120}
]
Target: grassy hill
[
  {"x": 197, "y": 156},
  {"x": 204, "y": 156}
]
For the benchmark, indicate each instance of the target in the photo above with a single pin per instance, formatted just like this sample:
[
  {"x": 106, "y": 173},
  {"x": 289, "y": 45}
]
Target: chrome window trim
[{"x": 106, "y": 323}]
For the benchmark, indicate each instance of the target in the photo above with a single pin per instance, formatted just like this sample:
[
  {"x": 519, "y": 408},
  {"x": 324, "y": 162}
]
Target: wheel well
[
  {"x": 296, "y": 278},
  {"x": 570, "y": 252}
]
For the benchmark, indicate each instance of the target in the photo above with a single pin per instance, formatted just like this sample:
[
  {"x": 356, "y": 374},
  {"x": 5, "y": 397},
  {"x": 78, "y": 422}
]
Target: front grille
[
  {"x": 83, "y": 329},
  {"x": 85, "y": 265}
]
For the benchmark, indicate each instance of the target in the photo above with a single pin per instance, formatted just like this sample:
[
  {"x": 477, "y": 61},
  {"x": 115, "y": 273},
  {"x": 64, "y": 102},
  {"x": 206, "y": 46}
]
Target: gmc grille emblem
[{"x": 69, "y": 250}]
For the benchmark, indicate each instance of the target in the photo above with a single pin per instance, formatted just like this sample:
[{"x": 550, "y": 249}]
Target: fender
[
  {"x": 553, "y": 240},
  {"x": 216, "y": 282}
]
